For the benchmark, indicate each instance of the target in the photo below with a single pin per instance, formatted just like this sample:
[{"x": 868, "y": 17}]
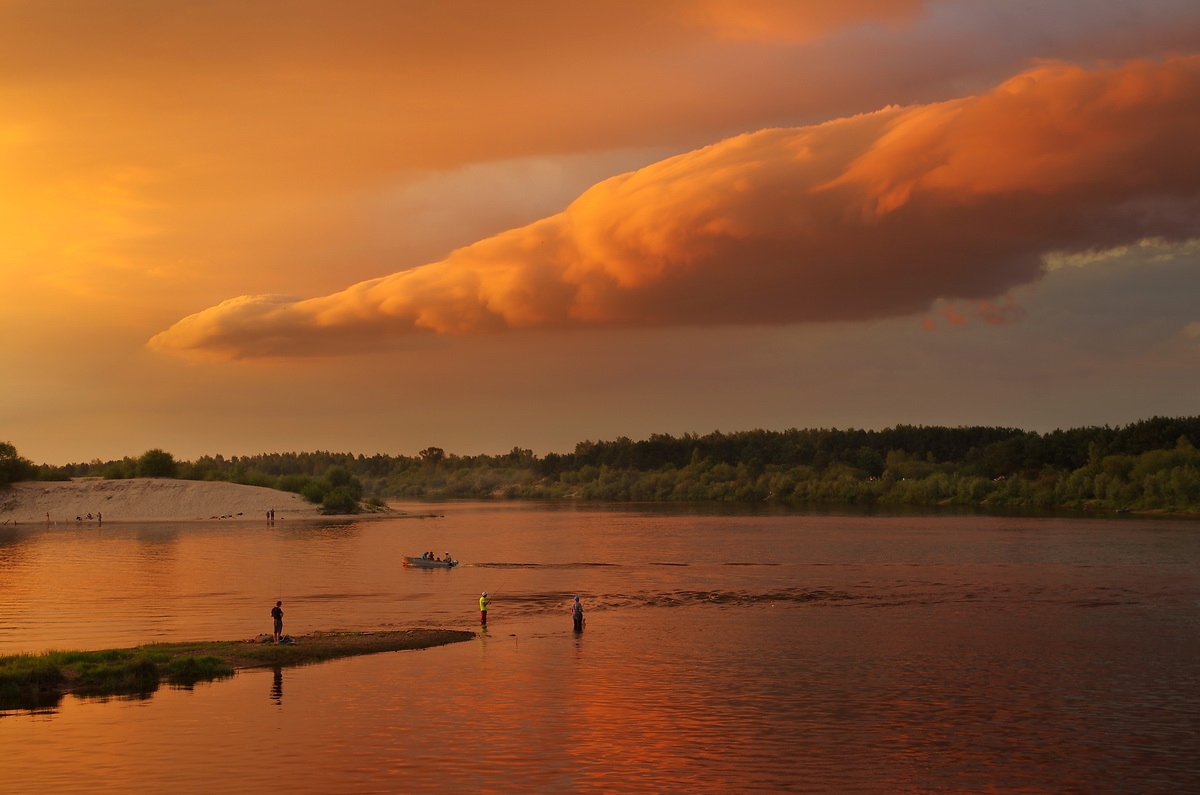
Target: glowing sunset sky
[{"x": 378, "y": 226}]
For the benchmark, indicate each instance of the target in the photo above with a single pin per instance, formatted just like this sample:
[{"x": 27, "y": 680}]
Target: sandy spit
[{"x": 145, "y": 499}]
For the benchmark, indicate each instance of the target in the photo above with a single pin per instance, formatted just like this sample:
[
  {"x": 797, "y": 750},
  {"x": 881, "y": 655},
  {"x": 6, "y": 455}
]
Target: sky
[{"x": 374, "y": 227}]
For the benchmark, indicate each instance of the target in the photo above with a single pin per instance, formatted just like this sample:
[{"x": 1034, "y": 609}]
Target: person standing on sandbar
[{"x": 277, "y": 615}]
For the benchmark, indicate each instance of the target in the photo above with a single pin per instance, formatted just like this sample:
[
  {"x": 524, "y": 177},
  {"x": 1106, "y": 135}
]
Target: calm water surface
[{"x": 723, "y": 652}]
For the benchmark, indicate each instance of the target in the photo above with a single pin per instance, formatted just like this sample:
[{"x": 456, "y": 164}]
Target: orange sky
[{"x": 372, "y": 226}]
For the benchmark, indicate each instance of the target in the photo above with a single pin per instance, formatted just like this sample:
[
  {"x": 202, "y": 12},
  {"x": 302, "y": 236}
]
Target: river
[{"x": 725, "y": 650}]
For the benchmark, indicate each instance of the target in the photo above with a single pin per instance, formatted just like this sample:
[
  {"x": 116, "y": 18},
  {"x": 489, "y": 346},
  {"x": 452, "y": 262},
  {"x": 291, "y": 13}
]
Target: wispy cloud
[{"x": 873, "y": 216}]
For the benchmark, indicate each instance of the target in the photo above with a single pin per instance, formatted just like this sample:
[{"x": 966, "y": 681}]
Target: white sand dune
[{"x": 142, "y": 499}]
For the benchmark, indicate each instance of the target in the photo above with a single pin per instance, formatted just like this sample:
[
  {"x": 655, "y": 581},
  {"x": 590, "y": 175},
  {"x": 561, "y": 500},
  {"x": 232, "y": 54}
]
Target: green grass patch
[
  {"x": 138, "y": 673},
  {"x": 187, "y": 671},
  {"x": 30, "y": 681}
]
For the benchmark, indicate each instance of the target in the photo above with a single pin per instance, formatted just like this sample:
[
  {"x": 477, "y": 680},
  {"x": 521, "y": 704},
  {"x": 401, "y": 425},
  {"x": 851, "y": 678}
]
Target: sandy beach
[{"x": 145, "y": 499}]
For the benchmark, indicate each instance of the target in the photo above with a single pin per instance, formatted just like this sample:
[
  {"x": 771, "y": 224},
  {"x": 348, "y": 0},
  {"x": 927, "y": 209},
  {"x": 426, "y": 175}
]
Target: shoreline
[
  {"x": 40, "y": 681},
  {"x": 94, "y": 502},
  {"x": 314, "y": 647}
]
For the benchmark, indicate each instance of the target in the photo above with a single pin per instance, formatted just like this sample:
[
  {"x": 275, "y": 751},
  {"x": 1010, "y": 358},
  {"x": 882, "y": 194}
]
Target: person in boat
[
  {"x": 483, "y": 607},
  {"x": 577, "y": 615},
  {"x": 277, "y": 618},
  {"x": 448, "y": 560},
  {"x": 424, "y": 556}
]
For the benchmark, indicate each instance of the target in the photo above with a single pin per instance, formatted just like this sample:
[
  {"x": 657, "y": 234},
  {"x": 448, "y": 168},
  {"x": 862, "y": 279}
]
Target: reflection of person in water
[{"x": 277, "y": 686}]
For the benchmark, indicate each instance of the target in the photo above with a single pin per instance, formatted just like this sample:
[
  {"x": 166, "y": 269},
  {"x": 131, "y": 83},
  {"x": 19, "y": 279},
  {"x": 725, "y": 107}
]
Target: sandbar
[
  {"x": 41, "y": 680},
  {"x": 145, "y": 499}
]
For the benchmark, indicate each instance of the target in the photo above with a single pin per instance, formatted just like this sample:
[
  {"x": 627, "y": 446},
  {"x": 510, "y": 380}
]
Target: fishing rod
[{"x": 492, "y": 594}]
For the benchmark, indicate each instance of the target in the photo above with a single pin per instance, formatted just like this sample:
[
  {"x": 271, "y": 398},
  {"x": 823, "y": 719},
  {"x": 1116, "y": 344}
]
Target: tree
[
  {"x": 13, "y": 467},
  {"x": 432, "y": 456},
  {"x": 520, "y": 457},
  {"x": 156, "y": 464},
  {"x": 338, "y": 476}
]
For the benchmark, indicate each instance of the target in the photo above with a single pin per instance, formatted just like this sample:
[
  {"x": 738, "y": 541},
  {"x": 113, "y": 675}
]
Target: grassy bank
[{"x": 35, "y": 681}]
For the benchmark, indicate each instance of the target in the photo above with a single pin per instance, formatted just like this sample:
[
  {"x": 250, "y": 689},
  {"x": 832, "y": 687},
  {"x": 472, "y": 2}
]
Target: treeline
[
  {"x": 1152, "y": 464},
  {"x": 14, "y": 468},
  {"x": 335, "y": 488}
]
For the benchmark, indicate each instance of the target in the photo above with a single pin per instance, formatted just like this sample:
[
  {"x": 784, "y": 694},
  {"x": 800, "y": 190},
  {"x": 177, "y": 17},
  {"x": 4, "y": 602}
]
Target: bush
[
  {"x": 295, "y": 484},
  {"x": 314, "y": 491},
  {"x": 261, "y": 479},
  {"x": 156, "y": 464},
  {"x": 120, "y": 470},
  {"x": 340, "y": 499}
]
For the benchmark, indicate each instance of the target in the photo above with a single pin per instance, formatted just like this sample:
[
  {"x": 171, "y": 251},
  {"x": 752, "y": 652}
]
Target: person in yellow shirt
[{"x": 483, "y": 605}]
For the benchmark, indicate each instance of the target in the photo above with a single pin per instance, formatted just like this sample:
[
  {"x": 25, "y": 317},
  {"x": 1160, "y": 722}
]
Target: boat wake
[
  {"x": 542, "y": 565},
  {"x": 860, "y": 596},
  {"x": 535, "y": 603}
]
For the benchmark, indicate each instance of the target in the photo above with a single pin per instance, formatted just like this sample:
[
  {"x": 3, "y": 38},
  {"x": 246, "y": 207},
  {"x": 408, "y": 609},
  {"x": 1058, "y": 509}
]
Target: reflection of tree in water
[
  {"x": 277, "y": 686},
  {"x": 323, "y": 530},
  {"x": 14, "y": 545}
]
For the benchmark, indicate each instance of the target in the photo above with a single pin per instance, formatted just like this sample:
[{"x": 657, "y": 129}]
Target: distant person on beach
[
  {"x": 577, "y": 615},
  {"x": 277, "y": 615},
  {"x": 483, "y": 604}
]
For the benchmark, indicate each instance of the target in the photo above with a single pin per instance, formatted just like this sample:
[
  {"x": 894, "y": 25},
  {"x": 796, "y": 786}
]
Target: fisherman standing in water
[
  {"x": 483, "y": 603},
  {"x": 577, "y": 615},
  {"x": 277, "y": 614}
]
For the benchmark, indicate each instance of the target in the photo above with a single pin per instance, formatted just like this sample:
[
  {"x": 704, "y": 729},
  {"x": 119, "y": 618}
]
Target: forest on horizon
[{"x": 1147, "y": 465}]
